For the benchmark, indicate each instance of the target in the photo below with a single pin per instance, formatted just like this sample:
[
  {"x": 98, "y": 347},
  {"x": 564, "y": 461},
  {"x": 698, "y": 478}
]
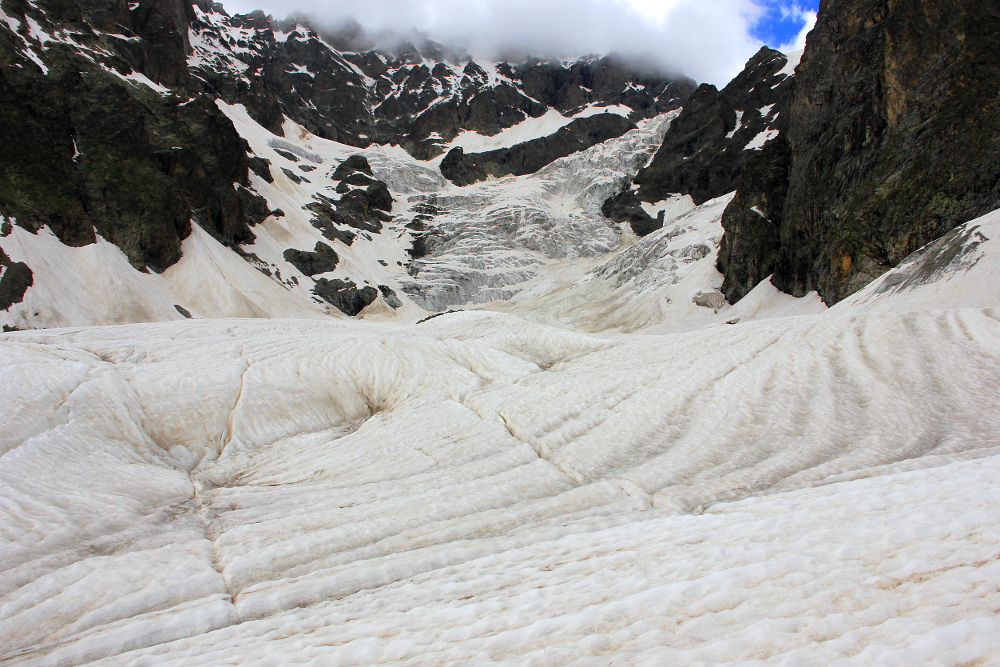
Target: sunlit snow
[
  {"x": 480, "y": 488},
  {"x": 597, "y": 460}
]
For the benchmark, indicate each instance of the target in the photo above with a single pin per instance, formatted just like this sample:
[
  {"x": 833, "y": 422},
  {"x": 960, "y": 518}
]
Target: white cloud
[
  {"x": 706, "y": 39},
  {"x": 654, "y": 10}
]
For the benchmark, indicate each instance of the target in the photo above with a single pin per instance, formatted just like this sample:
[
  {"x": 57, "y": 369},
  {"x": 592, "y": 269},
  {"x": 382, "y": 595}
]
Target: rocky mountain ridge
[
  {"x": 393, "y": 180},
  {"x": 420, "y": 101},
  {"x": 714, "y": 136}
]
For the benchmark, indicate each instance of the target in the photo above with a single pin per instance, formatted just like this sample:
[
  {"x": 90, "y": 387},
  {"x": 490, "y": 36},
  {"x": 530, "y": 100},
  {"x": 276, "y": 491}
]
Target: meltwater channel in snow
[{"x": 483, "y": 488}]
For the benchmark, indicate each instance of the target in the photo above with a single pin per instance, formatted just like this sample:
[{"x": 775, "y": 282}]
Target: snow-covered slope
[
  {"x": 959, "y": 270},
  {"x": 96, "y": 285},
  {"x": 480, "y": 488},
  {"x": 665, "y": 282}
]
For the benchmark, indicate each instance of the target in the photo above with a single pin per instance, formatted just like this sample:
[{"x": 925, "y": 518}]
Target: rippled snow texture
[{"x": 478, "y": 488}]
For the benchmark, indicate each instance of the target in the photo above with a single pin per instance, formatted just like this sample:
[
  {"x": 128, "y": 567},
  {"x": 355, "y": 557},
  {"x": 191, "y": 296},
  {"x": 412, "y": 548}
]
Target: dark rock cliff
[
  {"x": 526, "y": 158},
  {"x": 893, "y": 139},
  {"x": 87, "y": 146},
  {"x": 715, "y": 134}
]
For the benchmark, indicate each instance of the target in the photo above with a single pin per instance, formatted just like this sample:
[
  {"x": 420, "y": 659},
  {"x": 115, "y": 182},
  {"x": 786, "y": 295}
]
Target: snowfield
[
  {"x": 480, "y": 488},
  {"x": 597, "y": 461},
  {"x": 589, "y": 459}
]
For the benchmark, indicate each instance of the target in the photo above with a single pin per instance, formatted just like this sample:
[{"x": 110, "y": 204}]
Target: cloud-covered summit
[{"x": 709, "y": 40}]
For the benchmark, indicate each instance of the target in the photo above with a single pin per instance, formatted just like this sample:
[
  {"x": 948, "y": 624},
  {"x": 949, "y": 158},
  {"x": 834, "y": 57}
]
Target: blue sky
[
  {"x": 782, "y": 22},
  {"x": 709, "y": 40}
]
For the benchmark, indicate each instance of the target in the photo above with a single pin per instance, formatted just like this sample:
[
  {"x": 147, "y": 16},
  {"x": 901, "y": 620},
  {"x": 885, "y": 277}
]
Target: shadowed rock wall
[{"x": 893, "y": 139}]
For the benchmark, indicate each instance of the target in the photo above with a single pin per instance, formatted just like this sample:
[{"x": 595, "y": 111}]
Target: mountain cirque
[
  {"x": 423, "y": 359},
  {"x": 109, "y": 124}
]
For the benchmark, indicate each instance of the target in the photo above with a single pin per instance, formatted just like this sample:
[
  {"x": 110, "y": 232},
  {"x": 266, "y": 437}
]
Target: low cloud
[{"x": 709, "y": 40}]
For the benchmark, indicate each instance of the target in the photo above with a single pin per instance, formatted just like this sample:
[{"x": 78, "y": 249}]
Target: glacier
[
  {"x": 483, "y": 487},
  {"x": 562, "y": 446}
]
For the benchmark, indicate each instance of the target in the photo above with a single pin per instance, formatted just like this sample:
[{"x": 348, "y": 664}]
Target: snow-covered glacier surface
[
  {"x": 483, "y": 488},
  {"x": 481, "y": 244},
  {"x": 491, "y": 238}
]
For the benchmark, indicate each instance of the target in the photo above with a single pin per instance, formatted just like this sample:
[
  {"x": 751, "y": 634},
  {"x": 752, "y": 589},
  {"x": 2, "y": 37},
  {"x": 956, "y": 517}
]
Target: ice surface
[
  {"x": 499, "y": 234},
  {"x": 535, "y": 244},
  {"x": 479, "y": 488},
  {"x": 739, "y": 124}
]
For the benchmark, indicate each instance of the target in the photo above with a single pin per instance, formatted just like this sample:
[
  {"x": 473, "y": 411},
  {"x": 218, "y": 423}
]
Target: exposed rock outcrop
[
  {"x": 15, "y": 279},
  {"x": 893, "y": 139},
  {"x": 364, "y": 204},
  {"x": 90, "y": 143},
  {"x": 322, "y": 259},
  {"x": 526, "y": 158},
  {"x": 345, "y": 295},
  {"x": 716, "y": 133}
]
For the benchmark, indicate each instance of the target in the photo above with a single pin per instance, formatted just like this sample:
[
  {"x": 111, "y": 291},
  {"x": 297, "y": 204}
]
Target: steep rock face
[
  {"x": 91, "y": 143},
  {"x": 244, "y": 59},
  {"x": 717, "y": 132},
  {"x": 708, "y": 143},
  {"x": 15, "y": 279},
  {"x": 530, "y": 156},
  {"x": 602, "y": 81},
  {"x": 750, "y": 247},
  {"x": 893, "y": 139}
]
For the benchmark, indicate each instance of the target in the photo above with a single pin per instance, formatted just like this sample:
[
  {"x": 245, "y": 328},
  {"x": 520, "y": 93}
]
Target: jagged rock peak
[
  {"x": 716, "y": 133},
  {"x": 414, "y": 93}
]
